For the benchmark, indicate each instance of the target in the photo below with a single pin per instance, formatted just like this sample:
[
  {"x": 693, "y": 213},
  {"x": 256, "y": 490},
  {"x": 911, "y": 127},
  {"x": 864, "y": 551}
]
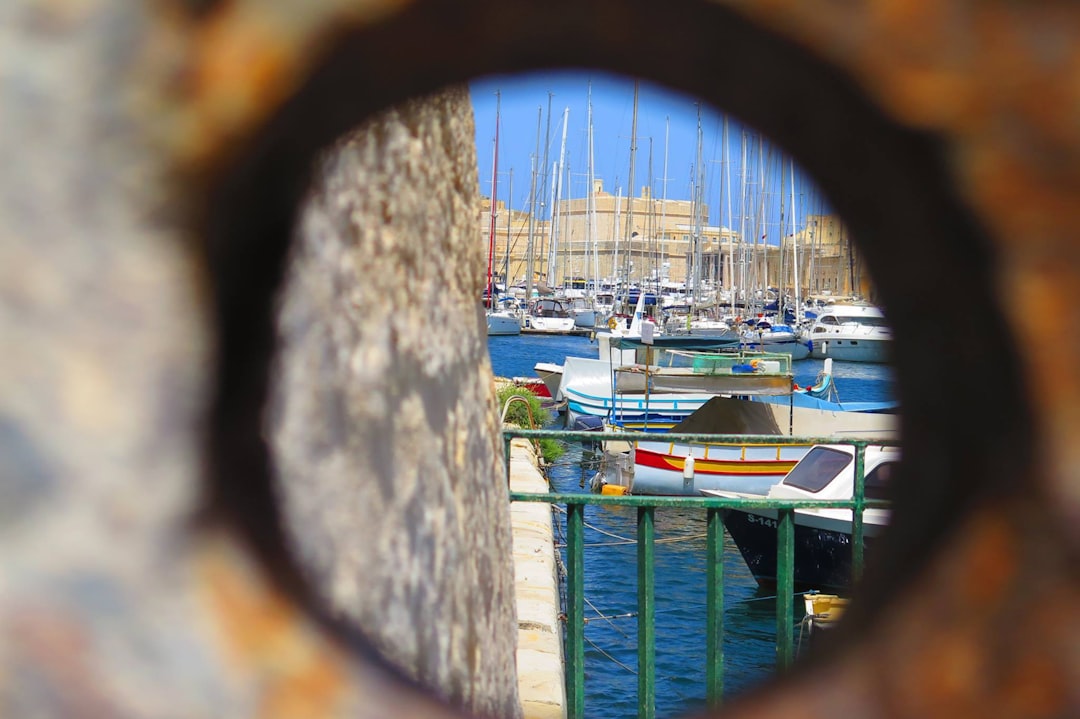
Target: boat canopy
[
  {"x": 741, "y": 373},
  {"x": 702, "y": 343}
]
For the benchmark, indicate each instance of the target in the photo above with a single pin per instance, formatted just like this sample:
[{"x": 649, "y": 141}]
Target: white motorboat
[
  {"x": 765, "y": 337},
  {"x": 851, "y": 333},
  {"x": 822, "y": 536}
]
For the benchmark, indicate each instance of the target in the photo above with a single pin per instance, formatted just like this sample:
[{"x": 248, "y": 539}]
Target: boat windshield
[
  {"x": 817, "y": 469},
  {"x": 876, "y": 483}
]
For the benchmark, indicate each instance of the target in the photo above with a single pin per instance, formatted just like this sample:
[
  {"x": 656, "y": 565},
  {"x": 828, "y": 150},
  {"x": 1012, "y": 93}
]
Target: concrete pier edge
[{"x": 540, "y": 662}]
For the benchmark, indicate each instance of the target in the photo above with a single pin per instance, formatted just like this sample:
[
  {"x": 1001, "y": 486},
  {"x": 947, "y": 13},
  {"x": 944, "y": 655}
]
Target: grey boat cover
[{"x": 724, "y": 415}]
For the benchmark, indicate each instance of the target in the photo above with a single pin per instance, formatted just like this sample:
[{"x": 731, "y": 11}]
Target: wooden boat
[
  {"x": 680, "y": 469},
  {"x": 660, "y": 467}
]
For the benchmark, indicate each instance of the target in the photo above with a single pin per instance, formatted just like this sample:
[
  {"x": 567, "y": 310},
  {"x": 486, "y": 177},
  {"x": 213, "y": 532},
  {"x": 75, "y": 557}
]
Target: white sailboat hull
[{"x": 503, "y": 324}]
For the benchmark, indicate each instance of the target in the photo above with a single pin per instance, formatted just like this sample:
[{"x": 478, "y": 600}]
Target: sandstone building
[{"x": 655, "y": 242}]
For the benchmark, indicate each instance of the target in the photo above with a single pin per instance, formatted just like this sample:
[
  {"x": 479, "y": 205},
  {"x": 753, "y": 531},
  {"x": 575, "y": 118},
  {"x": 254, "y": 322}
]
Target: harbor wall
[{"x": 540, "y": 661}]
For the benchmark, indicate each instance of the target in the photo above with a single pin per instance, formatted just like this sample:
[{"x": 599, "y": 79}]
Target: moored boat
[
  {"x": 654, "y": 394},
  {"x": 669, "y": 468},
  {"x": 765, "y": 337},
  {"x": 822, "y": 536},
  {"x": 852, "y": 333},
  {"x": 664, "y": 467},
  {"x": 549, "y": 316},
  {"x": 503, "y": 323}
]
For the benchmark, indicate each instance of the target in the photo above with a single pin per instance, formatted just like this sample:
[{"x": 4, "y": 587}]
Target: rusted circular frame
[{"x": 890, "y": 184}]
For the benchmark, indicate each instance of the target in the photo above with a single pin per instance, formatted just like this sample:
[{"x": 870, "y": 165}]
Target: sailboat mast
[
  {"x": 795, "y": 249},
  {"x": 509, "y": 218},
  {"x": 529, "y": 256},
  {"x": 784, "y": 212},
  {"x": 630, "y": 193},
  {"x": 494, "y": 193},
  {"x": 663, "y": 199},
  {"x": 556, "y": 198},
  {"x": 615, "y": 237},
  {"x": 650, "y": 227},
  {"x": 725, "y": 198},
  {"x": 591, "y": 209},
  {"x": 743, "y": 189},
  {"x": 567, "y": 242},
  {"x": 760, "y": 282},
  {"x": 699, "y": 195},
  {"x": 543, "y": 184}
]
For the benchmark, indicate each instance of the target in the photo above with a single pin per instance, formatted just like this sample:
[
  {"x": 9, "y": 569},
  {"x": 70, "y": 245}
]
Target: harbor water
[{"x": 611, "y": 574}]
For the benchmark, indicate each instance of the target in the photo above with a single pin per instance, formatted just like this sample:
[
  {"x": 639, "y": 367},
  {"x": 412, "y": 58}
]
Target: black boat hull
[{"x": 822, "y": 557}]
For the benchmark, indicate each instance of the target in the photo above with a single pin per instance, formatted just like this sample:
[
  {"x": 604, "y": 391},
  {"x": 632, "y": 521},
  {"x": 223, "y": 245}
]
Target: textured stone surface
[
  {"x": 114, "y": 601},
  {"x": 383, "y": 424}
]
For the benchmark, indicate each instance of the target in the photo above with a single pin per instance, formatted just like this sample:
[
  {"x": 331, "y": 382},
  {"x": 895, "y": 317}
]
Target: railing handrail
[
  {"x": 633, "y": 500},
  {"x": 697, "y": 437},
  {"x": 646, "y": 505}
]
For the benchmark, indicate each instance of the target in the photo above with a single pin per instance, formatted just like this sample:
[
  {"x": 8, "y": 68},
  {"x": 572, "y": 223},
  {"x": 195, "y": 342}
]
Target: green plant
[{"x": 518, "y": 414}]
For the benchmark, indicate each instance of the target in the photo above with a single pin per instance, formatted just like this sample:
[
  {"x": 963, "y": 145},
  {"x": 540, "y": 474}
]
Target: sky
[{"x": 666, "y": 129}]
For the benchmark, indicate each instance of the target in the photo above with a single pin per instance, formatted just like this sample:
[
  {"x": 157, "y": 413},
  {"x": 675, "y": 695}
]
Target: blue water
[{"x": 611, "y": 566}]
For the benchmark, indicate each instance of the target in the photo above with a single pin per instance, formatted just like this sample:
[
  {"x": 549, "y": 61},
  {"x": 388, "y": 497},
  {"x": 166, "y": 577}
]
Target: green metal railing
[{"x": 646, "y": 506}]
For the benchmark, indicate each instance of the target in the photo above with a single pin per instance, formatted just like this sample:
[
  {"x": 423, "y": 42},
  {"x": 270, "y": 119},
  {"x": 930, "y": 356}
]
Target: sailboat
[{"x": 499, "y": 322}]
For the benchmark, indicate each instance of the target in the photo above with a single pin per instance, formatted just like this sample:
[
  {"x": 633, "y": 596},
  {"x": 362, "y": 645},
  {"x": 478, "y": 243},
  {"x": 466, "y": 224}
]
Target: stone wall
[{"x": 383, "y": 423}]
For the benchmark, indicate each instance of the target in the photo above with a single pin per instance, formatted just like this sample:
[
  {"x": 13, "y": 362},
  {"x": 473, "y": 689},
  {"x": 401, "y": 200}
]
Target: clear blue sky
[{"x": 661, "y": 113}]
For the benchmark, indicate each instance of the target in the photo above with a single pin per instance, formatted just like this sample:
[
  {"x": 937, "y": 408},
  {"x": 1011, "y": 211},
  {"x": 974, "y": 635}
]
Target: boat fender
[
  {"x": 612, "y": 323},
  {"x": 688, "y": 468}
]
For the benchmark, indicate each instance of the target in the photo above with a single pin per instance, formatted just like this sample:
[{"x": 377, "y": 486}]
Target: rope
[
  {"x": 613, "y": 659},
  {"x": 802, "y": 624},
  {"x": 608, "y": 617},
  {"x": 624, "y": 541},
  {"x": 601, "y": 616}
]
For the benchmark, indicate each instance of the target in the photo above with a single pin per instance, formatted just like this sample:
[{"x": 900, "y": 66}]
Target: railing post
[
  {"x": 646, "y": 614},
  {"x": 507, "y": 439},
  {"x": 714, "y": 610},
  {"x": 785, "y": 586},
  {"x": 575, "y": 611},
  {"x": 857, "y": 514}
]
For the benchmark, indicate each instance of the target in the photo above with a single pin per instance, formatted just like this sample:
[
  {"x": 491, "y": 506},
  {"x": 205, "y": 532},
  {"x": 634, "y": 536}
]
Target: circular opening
[{"x": 889, "y": 183}]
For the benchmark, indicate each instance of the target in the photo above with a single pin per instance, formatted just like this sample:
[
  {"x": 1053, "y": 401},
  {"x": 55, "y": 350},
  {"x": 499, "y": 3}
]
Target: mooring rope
[{"x": 604, "y": 653}]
